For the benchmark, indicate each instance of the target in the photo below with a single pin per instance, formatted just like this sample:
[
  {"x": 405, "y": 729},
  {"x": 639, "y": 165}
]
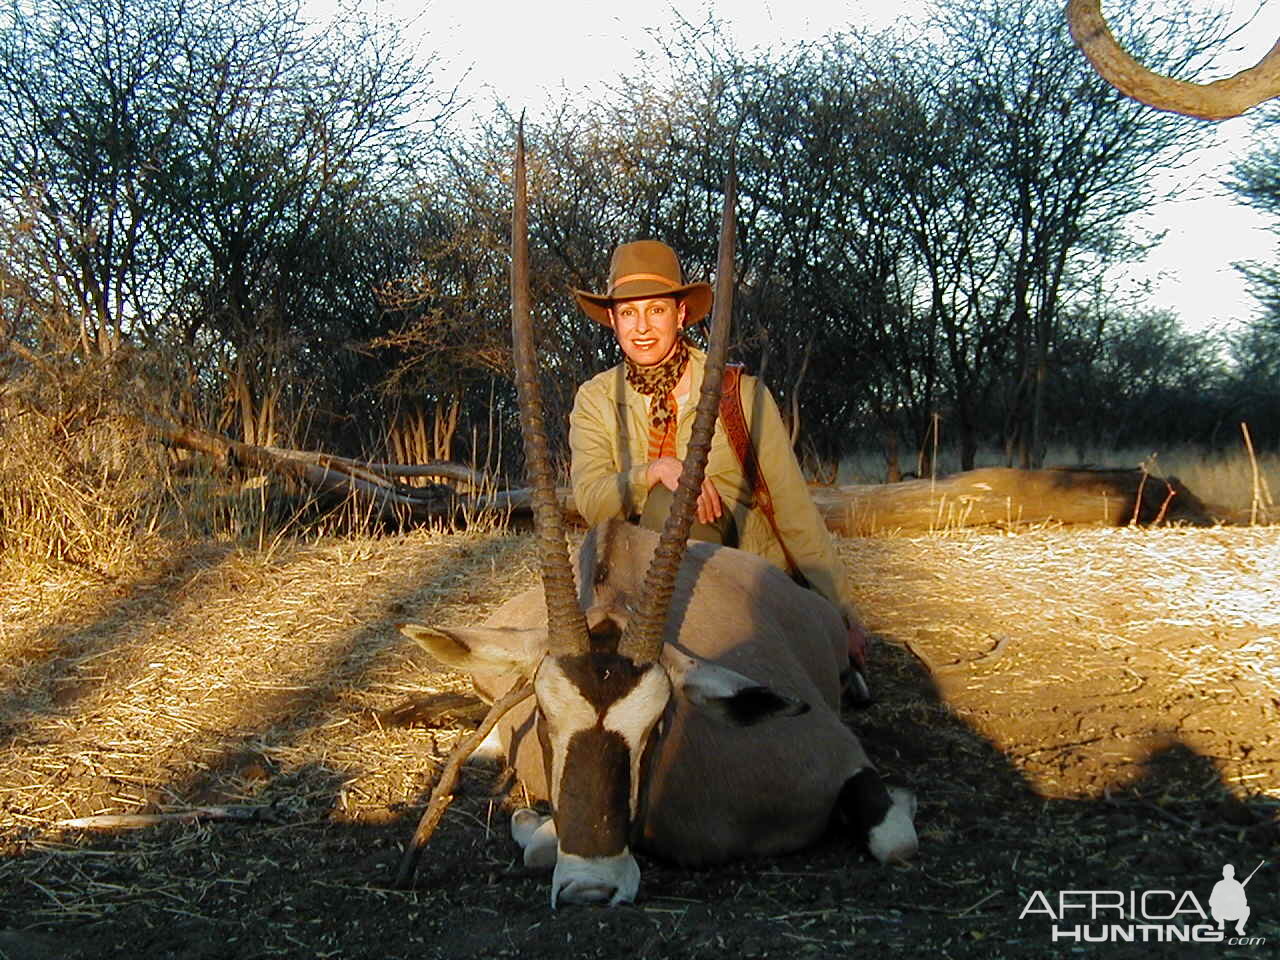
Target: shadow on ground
[{"x": 316, "y": 884}]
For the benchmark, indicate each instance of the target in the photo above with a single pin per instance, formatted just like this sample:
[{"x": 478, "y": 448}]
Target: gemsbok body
[
  {"x": 729, "y": 746},
  {"x": 686, "y": 697}
]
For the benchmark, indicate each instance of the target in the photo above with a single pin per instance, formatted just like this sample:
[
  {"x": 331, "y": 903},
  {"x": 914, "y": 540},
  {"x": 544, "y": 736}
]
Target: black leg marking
[{"x": 863, "y": 803}]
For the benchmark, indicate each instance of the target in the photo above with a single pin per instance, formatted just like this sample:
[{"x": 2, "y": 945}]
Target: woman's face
[{"x": 647, "y": 329}]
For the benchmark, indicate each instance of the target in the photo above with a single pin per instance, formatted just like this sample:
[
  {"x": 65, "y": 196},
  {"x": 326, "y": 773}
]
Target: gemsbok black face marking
[
  {"x": 700, "y": 737},
  {"x": 598, "y": 711}
]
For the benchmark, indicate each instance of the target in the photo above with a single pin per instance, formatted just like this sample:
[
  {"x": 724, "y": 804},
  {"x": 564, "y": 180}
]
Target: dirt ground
[{"x": 1076, "y": 710}]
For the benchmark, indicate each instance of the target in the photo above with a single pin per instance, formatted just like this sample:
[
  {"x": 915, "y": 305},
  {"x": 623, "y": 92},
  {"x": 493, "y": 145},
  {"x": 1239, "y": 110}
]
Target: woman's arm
[
  {"x": 799, "y": 522},
  {"x": 601, "y": 489}
]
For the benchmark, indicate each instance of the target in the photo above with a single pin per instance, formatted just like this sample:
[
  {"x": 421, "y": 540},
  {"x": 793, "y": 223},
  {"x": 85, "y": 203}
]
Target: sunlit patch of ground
[
  {"x": 1078, "y": 653},
  {"x": 1071, "y": 708}
]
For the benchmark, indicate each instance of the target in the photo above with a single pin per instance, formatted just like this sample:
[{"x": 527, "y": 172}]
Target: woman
[{"x": 630, "y": 427}]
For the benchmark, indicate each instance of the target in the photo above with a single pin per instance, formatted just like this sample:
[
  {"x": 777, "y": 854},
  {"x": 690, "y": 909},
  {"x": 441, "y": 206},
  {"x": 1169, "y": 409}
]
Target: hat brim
[{"x": 696, "y": 297}]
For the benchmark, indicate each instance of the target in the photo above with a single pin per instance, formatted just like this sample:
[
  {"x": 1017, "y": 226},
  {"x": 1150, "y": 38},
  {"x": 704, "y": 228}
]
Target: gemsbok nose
[
  {"x": 612, "y": 880},
  {"x": 588, "y": 892}
]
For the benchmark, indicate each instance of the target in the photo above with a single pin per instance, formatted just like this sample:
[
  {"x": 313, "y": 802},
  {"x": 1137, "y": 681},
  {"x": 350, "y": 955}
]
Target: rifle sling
[{"x": 735, "y": 427}]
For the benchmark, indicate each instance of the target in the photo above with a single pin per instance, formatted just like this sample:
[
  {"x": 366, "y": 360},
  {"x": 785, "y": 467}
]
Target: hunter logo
[
  {"x": 1228, "y": 900},
  {"x": 1148, "y": 916}
]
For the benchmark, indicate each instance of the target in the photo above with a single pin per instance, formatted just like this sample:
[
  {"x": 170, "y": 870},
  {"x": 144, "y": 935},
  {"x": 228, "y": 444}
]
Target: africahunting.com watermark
[{"x": 1148, "y": 916}]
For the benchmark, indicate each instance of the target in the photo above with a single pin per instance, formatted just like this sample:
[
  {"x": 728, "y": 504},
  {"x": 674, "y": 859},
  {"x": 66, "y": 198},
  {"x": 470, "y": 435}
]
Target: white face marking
[
  {"x": 633, "y": 718},
  {"x": 565, "y": 712},
  {"x": 575, "y": 879},
  {"x": 591, "y": 880}
]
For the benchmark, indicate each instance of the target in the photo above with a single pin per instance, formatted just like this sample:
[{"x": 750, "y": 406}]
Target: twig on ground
[
  {"x": 134, "y": 821},
  {"x": 442, "y": 795}
]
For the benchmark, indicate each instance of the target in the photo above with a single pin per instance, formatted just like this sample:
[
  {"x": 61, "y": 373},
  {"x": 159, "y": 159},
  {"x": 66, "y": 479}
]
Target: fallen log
[
  {"x": 373, "y": 485},
  {"x": 991, "y": 497},
  {"x": 1007, "y": 498}
]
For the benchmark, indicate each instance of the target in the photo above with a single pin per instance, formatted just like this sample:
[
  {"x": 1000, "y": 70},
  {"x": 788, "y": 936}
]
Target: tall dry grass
[
  {"x": 83, "y": 481},
  {"x": 1227, "y": 479},
  {"x": 79, "y": 483}
]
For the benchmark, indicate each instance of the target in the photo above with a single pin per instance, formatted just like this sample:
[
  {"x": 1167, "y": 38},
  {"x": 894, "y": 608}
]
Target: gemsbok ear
[
  {"x": 725, "y": 694},
  {"x": 480, "y": 649}
]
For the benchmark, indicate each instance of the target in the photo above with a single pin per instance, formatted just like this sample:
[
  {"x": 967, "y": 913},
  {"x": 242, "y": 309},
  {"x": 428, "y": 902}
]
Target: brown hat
[{"x": 643, "y": 269}]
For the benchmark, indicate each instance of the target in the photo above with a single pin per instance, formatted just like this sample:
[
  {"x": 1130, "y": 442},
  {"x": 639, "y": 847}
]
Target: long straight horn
[
  {"x": 566, "y": 626},
  {"x": 642, "y": 641}
]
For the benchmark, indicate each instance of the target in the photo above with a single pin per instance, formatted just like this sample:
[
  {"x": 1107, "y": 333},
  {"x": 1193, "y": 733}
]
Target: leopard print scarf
[{"x": 658, "y": 381}]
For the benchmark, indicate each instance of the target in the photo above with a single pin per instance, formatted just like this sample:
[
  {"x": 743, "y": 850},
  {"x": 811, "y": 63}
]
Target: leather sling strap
[{"x": 735, "y": 427}]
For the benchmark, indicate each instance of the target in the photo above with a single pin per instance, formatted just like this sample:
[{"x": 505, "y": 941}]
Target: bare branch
[{"x": 442, "y": 795}]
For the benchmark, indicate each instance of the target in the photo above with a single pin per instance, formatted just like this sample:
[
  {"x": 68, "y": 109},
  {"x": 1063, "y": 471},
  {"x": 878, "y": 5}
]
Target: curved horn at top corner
[
  {"x": 642, "y": 641},
  {"x": 1209, "y": 101},
  {"x": 566, "y": 626}
]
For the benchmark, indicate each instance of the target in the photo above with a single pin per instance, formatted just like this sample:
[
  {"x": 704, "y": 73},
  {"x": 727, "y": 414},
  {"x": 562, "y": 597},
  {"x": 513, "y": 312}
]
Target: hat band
[{"x": 641, "y": 276}]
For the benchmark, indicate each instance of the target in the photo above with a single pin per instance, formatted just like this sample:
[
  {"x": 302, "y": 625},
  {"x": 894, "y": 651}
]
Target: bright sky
[{"x": 523, "y": 53}]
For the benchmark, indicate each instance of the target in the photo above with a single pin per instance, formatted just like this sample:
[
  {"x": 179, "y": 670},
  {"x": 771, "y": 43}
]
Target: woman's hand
[{"x": 666, "y": 471}]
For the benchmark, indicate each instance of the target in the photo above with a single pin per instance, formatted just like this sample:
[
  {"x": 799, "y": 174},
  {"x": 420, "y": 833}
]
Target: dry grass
[
  {"x": 1228, "y": 479},
  {"x": 1086, "y": 701},
  {"x": 161, "y": 686},
  {"x": 77, "y": 484},
  {"x": 1029, "y": 634},
  {"x": 224, "y": 672},
  {"x": 85, "y": 483},
  {"x": 1066, "y": 670}
]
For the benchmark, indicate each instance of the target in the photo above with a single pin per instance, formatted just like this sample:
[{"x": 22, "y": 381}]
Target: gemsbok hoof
[{"x": 893, "y": 839}]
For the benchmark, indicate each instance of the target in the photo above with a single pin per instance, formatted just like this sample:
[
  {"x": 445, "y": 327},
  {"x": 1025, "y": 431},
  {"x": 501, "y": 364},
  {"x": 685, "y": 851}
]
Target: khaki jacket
[{"x": 609, "y": 440}]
